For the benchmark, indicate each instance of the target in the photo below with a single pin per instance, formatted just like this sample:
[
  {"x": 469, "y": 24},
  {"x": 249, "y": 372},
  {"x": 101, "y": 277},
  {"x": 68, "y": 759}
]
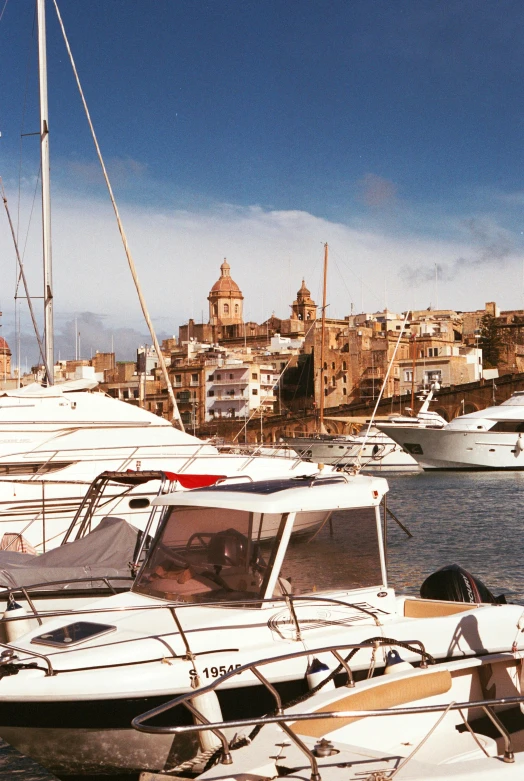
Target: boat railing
[
  {"x": 53, "y": 588},
  {"x": 172, "y": 607},
  {"x": 283, "y": 719}
]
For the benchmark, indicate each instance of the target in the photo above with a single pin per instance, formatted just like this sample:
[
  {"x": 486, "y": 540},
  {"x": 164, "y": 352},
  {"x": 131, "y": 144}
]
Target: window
[
  {"x": 333, "y": 381},
  {"x": 432, "y": 352},
  {"x": 211, "y": 393},
  {"x": 237, "y": 308},
  {"x": 219, "y": 376},
  {"x": 325, "y": 365},
  {"x": 194, "y": 378},
  {"x": 344, "y": 378},
  {"x": 254, "y": 392},
  {"x": 178, "y": 379},
  {"x": 325, "y": 380},
  {"x": 408, "y": 375},
  {"x": 413, "y": 448},
  {"x": 254, "y": 376},
  {"x": 268, "y": 377},
  {"x": 344, "y": 392},
  {"x": 282, "y": 365},
  {"x": 344, "y": 366},
  {"x": 226, "y": 309},
  {"x": 210, "y": 378},
  {"x": 325, "y": 391},
  {"x": 333, "y": 364}
]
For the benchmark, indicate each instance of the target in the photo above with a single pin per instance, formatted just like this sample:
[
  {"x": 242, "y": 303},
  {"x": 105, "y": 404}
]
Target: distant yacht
[
  {"x": 371, "y": 450},
  {"x": 492, "y": 438}
]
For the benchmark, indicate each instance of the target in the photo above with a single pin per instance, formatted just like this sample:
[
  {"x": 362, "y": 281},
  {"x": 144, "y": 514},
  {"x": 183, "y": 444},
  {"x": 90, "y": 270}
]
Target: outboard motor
[{"x": 455, "y": 584}]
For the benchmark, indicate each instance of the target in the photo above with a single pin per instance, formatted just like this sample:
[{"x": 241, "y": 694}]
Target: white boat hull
[
  {"x": 449, "y": 449},
  {"x": 76, "y": 721}
]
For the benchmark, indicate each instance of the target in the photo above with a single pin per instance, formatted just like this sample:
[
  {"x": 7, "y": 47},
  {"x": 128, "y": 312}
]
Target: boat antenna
[
  {"x": 176, "y": 413},
  {"x": 357, "y": 466},
  {"x": 49, "y": 361}
]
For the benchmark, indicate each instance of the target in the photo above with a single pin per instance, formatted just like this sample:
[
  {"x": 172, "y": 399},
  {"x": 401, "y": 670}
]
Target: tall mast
[
  {"x": 322, "y": 341},
  {"x": 46, "y": 193}
]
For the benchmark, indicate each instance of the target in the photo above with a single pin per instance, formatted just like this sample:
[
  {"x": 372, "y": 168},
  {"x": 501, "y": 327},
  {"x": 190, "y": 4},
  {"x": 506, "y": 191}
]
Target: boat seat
[
  {"x": 389, "y": 694},
  {"x": 429, "y": 608}
]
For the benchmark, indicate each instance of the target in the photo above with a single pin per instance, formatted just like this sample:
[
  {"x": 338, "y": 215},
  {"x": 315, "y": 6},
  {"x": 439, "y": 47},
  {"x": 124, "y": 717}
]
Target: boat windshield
[{"x": 209, "y": 554}]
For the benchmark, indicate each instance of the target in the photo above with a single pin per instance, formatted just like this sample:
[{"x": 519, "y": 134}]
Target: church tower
[
  {"x": 225, "y": 299},
  {"x": 304, "y": 308}
]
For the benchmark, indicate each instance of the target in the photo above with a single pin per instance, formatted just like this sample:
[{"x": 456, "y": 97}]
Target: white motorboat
[
  {"x": 212, "y": 596},
  {"x": 492, "y": 438},
  {"x": 371, "y": 450},
  {"x": 54, "y": 441},
  {"x": 460, "y": 720}
]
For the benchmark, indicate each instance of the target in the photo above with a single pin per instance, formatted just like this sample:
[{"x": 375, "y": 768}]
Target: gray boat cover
[{"x": 104, "y": 552}]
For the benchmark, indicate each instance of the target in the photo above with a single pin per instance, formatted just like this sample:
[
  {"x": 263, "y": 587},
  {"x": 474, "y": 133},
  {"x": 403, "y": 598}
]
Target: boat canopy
[{"x": 287, "y": 495}]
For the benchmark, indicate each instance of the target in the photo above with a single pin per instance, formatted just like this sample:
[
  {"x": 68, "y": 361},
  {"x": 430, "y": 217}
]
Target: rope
[{"x": 422, "y": 742}]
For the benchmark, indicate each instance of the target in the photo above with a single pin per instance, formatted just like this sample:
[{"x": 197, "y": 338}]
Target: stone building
[
  {"x": 5, "y": 360},
  {"x": 226, "y": 323}
]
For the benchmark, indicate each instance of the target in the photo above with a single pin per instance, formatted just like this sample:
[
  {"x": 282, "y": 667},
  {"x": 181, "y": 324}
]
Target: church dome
[
  {"x": 225, "y": 284},
  {"x": 303, "y": 292}
]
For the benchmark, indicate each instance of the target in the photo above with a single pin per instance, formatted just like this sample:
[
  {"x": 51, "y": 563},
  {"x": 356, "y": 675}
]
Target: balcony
[
  {"x": 236, "y": 397},
  {"x": 234, "y": 381}
]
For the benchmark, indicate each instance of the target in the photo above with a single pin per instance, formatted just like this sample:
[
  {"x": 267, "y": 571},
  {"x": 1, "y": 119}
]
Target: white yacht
[
  {"x": 371, "y": 449},
  {"x": 55, "y": 440},
  {"x": 214, "y": 595},
  {"x": 492, "y": 438}
]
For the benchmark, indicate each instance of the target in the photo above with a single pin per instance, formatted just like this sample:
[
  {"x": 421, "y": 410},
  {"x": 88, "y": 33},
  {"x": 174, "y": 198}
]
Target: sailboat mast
[
  {"x": 46, "y": 194},
  {"x": 322, "y": 341}
]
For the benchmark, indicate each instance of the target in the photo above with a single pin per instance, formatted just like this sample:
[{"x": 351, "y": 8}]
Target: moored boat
[{"x": 213, "y": 595}]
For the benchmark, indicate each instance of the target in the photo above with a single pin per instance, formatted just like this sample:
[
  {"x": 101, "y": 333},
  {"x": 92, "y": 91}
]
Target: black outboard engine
[{"x": 455, "y": 584}]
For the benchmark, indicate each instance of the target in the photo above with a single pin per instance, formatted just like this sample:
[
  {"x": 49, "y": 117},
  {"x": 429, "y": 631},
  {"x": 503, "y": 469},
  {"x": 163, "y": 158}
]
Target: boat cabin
[{"x": 238, "y": 542}]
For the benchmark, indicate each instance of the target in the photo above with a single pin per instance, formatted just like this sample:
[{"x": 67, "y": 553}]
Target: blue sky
[{"x": 258, "y": 130}]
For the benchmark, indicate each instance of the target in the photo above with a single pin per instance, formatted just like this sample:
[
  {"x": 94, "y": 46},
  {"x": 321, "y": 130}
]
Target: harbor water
[{"x": 475, "y": 519}]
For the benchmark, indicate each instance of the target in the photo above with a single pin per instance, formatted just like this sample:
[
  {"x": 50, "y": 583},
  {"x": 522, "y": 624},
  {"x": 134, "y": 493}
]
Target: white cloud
[{"x": 178, "y": 254}]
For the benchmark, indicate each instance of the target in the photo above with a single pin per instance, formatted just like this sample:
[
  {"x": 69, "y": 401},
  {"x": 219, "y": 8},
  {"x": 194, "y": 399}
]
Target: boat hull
[
  {"x": 86, "y": 735},
  {"x": 448, "y": 449},
  {"x": 377, "y": 454}
]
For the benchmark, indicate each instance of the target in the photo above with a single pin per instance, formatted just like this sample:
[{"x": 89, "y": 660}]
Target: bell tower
[
  {"x": 225, "y": 299},
  {"x": 304, "y": 308}
]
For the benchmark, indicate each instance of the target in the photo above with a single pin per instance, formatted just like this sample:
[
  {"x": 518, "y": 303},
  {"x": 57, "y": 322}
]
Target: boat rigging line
[
  {"x": 161, "y": 360},
  {"x": 24, "y": 280},
  {"x": 358, "y": 463}
]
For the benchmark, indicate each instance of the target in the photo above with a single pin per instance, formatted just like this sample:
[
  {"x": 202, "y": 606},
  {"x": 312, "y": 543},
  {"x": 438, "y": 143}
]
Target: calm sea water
[{"x": 475, "y": 519}]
